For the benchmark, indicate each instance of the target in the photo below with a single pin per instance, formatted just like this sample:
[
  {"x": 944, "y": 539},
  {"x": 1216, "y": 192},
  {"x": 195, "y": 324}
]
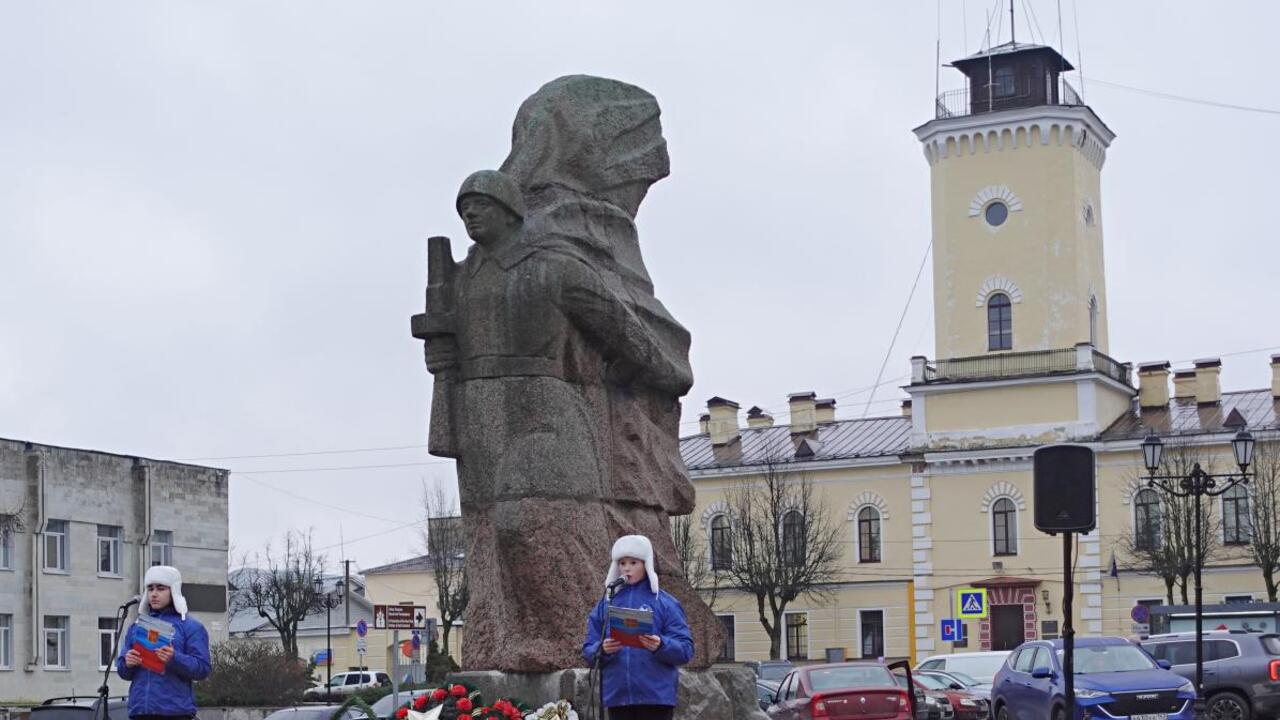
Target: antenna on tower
[{"x": 1012, "y": 38}]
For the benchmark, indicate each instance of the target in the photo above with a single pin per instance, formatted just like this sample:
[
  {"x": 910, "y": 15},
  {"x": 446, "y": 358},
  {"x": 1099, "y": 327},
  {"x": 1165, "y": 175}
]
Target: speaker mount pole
[{"x": 1068, "y": 630}]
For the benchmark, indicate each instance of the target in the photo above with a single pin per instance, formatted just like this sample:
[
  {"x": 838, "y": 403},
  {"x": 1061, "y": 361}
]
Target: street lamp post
[
  {"x": 1196, "y": 485},
  {"x": 330, "y": 601}
]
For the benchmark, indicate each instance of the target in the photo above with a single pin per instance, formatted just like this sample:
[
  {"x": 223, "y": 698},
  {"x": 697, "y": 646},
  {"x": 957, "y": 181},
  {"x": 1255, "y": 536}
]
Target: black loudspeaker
[{"x": 1064, "y": 489}]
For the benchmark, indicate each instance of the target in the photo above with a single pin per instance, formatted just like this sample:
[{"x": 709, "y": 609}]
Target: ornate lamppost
[
  {"x": 1197, "y": 484},
  {"x": 329, "y": 600}
]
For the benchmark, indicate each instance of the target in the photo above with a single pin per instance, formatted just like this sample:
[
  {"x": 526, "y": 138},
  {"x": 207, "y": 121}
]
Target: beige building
[
  {"x": 411, "y": 582},
  {"x": 940, "y": 497}
]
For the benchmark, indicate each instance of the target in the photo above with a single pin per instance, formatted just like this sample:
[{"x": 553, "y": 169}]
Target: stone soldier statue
[{"x": 557, "y": 376}]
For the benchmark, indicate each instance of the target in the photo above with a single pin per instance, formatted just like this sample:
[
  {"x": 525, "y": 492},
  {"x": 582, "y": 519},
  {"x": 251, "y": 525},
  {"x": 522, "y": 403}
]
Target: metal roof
[
  {"x": 839, "y": 440},
  {"x": 1183, "y": 416},
  {"x": 421, "y": 563}
]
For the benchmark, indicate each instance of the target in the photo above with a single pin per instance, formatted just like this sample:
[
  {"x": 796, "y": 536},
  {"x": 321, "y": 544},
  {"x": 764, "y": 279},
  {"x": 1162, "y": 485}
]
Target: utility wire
[
  {"x": 249, "y": 476},
  {"x": 889, "y": 351},
  {"x": 305, "y": 452},
  {"x": 1180, "y": 98}
]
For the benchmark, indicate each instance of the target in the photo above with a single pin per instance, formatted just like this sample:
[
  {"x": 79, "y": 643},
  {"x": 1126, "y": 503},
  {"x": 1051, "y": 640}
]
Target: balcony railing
[
  {"x": 1065, "y": 361},
  {"x": 959, "y": 103}
]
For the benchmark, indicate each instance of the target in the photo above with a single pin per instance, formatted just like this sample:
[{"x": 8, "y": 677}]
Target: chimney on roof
[
  {"x": 906, "y": 408},
  {"x": 1275, "y": 375},
  {"x": 1184, "y": 383},
  {"x": 723, "y": 424},
  {"x": 824, "y": 410},
  {"x": 803, "y": 409},
  {"x": 758, "y": 418},
  {"x": 703, "y": 419},
  {"x": 1153, "y": 384},
  {"x": 1208, "y": 390}
]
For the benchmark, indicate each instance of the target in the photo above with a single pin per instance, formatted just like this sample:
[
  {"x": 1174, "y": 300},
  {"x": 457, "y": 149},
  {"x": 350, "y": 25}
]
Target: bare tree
[
  {"x": 280, "y": 586},
  {"x": 1264, "y": 513},
  {"x": 1165, "y": 544},
  {"x": 695, "y": 565},
  {"x": 784, "y": 544},
  {"x": 446, "y": 544}
]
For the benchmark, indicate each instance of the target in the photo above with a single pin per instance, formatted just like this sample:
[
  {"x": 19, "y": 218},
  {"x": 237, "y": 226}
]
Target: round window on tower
[{"x": 996, "y": 213}]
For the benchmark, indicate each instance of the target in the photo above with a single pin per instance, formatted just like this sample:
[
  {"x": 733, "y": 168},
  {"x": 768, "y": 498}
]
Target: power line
[
  {"x": 907, "y": 306},
  {"x": 305, "y": 452},
  {"x": 374, "y": 535},
  {"x": 1180, "y": 98},
  {"x": 249, "y": 476},
  {"x": 348, "y": 467}
]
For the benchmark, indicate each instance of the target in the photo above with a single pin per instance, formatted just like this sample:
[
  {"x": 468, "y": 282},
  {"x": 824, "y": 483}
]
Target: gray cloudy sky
[{"x": 213, "y": 215}]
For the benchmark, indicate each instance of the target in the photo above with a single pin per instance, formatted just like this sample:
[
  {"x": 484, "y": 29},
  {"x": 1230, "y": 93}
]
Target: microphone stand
[
  {"x": 101, "y": 712},
  {"x": 599, "y": 659}
]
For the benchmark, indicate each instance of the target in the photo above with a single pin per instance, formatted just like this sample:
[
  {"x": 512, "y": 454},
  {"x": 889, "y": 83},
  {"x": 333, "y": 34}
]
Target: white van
[{"x": 981, "y": 666}]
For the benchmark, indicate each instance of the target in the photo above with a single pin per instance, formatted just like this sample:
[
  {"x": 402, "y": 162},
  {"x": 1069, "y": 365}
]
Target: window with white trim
[
  {"x": 999, "y": 322},
  {"x": 793, "y": 538},
  {"x": 110, "y": 541},
  {"x": 871, "y": 628},
  {"x": 6, "y": 549},
  {"x": 106, "y": 642},
  {"x": 55, "y": 545},
  {"x": 162, "y": 547},
  {"x": 797, "y": 635},
  {"x": 721, "y": 543},
  {"x": 868, "y": 535},
  {"x": 1146, "y": 520},
  {"x": 727, "y": 653},
  {"x": 6, "y": 642},
  {"x": 1236, "y": 528},
  {"x": 56, "y": 649},
  {"x": 1004, "y": 527}
]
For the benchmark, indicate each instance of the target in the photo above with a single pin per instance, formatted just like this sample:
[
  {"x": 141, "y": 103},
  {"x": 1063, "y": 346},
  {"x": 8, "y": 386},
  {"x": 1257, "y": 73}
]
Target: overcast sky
[{"x": 213, "y": 215}]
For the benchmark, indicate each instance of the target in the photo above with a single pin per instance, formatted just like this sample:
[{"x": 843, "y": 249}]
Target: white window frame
[
  {"x": 110, "y": 636},
  {"x": 733, "y": 617},
  {"x": 1248, "y": 518},
  {"x": 114, "y": 546},
  {"x": 1160, "y": 508},
  {"x": 884, "y": 628},
  {"x": 62, "y": 541},
  {"x": 991, "y": 527},
  {"x": 64, "y": 648},
  {"x": 857, "y": 535},
  {"x": 161, "y": 547},
  {"x": 808, "y": 637},
  {"x": 6, "y": 641},
  {"x": 6, "y": 550}
]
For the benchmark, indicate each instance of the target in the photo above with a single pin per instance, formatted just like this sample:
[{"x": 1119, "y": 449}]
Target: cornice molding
[{"x": 1076, "y": 125}]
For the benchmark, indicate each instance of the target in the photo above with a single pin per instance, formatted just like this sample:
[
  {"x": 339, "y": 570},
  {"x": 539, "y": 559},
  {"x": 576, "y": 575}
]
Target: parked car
[
  {"x": 935, "y": 704},
  {"x": 314, "y": 712},
  {"x": 1113, "y": 678},
  {"x": 766, "y": 690},
  {"x": 772, "y": 670},
  {"x": 961, "y": 681},
  {"x": 981, "y": 666},
  {"x": 865, "y": 690},
  {"x": 79, "y": 707},
  {"x": 1241, "y": 670},
  {"x": 385, "y": 705},
  {"x": 966, "y": 704},
  {"x": 348, "y": 683}
]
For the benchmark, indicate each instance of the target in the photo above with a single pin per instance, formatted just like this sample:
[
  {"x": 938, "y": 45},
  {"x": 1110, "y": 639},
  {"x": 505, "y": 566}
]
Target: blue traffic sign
[
  {"x": 417, "y": 640},
  {"x": 952, "y": 630},
  {"x": 362, "y": 628}
]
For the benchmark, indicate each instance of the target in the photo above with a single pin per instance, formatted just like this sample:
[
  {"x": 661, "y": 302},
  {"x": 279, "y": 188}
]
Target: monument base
[{"x": 727, "y": 693}]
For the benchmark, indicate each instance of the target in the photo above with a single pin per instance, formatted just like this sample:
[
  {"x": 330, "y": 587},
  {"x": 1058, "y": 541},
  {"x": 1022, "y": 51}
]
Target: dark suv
[
  {"x": 1241, "y": 670},
  {"x": 79, "y": 708}
]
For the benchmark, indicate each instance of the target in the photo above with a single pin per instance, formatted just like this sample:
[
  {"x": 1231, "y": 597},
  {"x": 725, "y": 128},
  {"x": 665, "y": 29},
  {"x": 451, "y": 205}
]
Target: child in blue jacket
[
  {"x": 639, "y": 683},
  {"x": 153, "y": 695}
]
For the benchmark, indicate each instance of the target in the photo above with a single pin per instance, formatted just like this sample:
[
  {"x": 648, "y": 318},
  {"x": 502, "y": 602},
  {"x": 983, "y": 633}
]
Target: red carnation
[
  {"x": 458, "y": 691},
  {"x": 420, "y": 703},
  {"x": 402, "y": 713},
  {"x": 439, "y": 694},
  {"x": 483, "y": 710},
  {"x": 463, "y": 705}
]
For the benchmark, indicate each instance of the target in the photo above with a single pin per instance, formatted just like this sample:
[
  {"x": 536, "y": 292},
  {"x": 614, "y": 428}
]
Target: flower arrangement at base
[
  {"x": 462, "y": 701},
  {"x": 559, "y": 710}
]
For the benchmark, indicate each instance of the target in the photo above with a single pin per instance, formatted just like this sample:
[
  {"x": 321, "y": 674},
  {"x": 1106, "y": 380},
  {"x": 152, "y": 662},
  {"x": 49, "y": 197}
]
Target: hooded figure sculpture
[{"x": 557, "y": 373}]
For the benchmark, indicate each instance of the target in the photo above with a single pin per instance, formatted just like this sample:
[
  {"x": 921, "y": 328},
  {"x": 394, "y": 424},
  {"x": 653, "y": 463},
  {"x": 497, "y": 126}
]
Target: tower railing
[
  {"x": 1032, "y": 363},
  {"x": 961, "y": 103}
]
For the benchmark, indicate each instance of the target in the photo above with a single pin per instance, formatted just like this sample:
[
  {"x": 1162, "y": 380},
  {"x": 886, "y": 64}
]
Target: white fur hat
[
  {"x": 171, "y": 578},
  {"x": 638, "y": 547}
]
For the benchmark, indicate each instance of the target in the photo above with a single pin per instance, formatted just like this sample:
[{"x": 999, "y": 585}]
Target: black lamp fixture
[
  {"x": 1242, "y": 446},
  {"x": 1152, "y": 452}
]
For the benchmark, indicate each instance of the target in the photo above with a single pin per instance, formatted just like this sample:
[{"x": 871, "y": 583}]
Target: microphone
[
  {"x": 617, "y": 581},
  {"x": 131, "y": 601}
]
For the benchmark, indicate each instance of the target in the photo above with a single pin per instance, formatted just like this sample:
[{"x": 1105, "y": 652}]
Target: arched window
[
  {"x": 721, "y": 548},
  {"x": 999, "y": 322},
  {"x": 1236, "y": 528},
  {"x": 793, "y": 533},
  {"x": 1004, "y": 527},
  {"x": 1146, "y": 520},
  {"x": 869, "y": 535}
]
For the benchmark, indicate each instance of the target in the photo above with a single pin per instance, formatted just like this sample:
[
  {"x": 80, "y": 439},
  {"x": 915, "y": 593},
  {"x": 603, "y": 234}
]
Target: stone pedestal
[{"x": 727, "y": 693}]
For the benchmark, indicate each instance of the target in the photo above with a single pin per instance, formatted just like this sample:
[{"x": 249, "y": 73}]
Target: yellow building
[
  {"x": 940, "y": 497},
  {"x": 411, "y": 582}
]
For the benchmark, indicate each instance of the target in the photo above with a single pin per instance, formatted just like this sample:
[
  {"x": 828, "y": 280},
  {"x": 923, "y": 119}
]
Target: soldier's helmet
[{"x": 496, "y": 185}]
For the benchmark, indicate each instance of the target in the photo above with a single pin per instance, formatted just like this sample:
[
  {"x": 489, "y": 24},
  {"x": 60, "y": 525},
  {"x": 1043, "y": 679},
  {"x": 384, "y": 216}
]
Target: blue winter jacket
[
  {"x": 171, "y": 693},
  {"x": 635, "y": 676}
]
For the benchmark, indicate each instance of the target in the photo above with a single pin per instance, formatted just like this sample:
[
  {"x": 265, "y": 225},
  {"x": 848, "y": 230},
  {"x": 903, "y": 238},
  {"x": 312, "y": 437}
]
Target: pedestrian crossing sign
[{"x": 971, "y": 603}]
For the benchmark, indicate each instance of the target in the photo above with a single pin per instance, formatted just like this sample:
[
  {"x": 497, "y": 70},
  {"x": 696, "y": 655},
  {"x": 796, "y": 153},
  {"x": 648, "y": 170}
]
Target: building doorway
[{"x": 1006, "y": 627}]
